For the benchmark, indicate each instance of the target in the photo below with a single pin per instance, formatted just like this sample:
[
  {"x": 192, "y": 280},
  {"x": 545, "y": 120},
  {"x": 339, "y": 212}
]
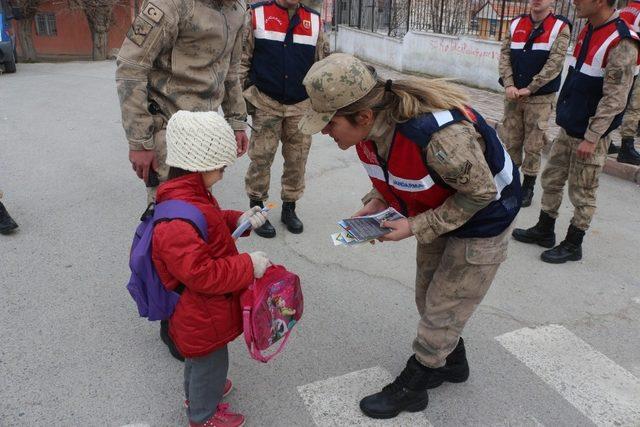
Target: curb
[
  {"x": 611, "y": 167},
  {"x": 622, "y": 170}
]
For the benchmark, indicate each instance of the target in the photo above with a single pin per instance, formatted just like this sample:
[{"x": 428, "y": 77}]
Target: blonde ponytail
[{"x": 405, "y": 99}]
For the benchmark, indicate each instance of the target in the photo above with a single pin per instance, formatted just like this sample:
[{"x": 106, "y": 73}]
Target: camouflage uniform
[
  {"x": 584, "y": 175},
  {"x": 273, "y": 122},
  {"x": 453, "y": 274},
  {"x": 161, "y": 69},
  {"x": 526, "y": 121}
]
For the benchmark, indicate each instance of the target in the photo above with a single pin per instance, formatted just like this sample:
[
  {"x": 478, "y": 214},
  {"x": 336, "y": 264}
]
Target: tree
[
  {"x": 99, "y": 14},
  {"x": 24, "y": 11}
]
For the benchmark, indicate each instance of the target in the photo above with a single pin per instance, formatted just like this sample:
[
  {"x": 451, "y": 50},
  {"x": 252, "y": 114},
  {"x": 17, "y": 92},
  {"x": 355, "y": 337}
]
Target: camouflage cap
[{"x": 333, "y": 83}]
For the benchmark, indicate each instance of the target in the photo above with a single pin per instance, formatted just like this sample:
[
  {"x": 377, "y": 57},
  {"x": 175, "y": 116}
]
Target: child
[{"x": 208, "y": 315}]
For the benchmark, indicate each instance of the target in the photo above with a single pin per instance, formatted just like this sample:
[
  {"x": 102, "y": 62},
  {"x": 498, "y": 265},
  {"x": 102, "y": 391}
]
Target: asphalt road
[{"x": 550, "y": 345}]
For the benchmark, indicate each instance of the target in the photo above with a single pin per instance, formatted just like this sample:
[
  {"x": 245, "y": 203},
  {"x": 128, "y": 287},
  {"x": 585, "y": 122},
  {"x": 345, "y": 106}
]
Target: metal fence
[{"x": 479, "y": 18}]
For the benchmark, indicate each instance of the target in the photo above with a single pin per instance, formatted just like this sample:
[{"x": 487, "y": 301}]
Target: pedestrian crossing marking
[
  {"x": 334, "y": 401},
  {"x": 604, "y": 392}
]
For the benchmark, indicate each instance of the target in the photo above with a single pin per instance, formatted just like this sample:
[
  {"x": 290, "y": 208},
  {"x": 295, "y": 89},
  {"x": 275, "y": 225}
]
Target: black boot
[
  {"x": 290, "y": 218},
  {"x": 7, "y": 224},
  {"x": 528, "y": 183},
  {"x": 570, "y": 249},
  {"x": 456, "y": 370},
  {"x": 266, "y": 230},
  {"x": 541, "y": 234},
  {"x": 408, "y": 392},
  {"x": 164, "y": 336},
  {"x": 628, "y": 153},
  {"x": 613, "y": 149}
]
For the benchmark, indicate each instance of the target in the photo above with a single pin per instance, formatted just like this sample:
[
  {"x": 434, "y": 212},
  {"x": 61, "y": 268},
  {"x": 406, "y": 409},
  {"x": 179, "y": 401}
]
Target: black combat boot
[
  {"x": 570, "y": 249},
  {"x": 408, "y": 392},
  {"x": 456, "y": 370},
  {"x": 628, "y": 153},
  {"x": 290, "y": 218},
  {"x": 541, "y": 234},
  {"x": 528, "y": 183},
  {"x": 613, "y": 149},
  {"x": 7, "y": 224},
  {"x": 266, "y": 230},
  {"x": 164, "y": 336}
]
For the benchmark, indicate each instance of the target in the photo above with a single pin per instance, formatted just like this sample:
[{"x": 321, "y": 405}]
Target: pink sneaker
[
  {"x": 228, "y": 386},
  {"x": 222, "y": 418}
]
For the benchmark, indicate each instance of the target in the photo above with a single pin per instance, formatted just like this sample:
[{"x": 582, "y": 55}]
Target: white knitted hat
[{"x": 199, "y": 141}]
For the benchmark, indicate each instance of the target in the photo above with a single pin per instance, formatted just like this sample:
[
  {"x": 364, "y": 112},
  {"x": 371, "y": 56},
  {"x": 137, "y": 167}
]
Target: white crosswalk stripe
[
  {"x": 334, "y": 402},
  {"x": 604, "y": 392}
]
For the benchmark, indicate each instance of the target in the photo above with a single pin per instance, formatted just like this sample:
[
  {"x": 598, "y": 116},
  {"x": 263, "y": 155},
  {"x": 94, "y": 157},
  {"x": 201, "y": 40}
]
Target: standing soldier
[
  {"x": 590, "y": 107},
  {"x": 531, "y": 62},
  {"x": 629, "y": 127},
  {"x": 283, "y": 39},
  {"x": 178, "y": 55}
]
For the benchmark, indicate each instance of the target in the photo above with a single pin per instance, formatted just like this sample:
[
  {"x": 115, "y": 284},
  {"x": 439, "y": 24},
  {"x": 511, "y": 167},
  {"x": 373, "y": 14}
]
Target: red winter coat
[{"x": 208, "y": 314}]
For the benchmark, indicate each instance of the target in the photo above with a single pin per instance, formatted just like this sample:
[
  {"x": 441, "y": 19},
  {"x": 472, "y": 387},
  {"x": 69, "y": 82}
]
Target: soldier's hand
[
  {"x": 585, "y": 150},
  {"x": 373, "y": 206},
  {"x": 401, "y": 230},
  {"x": 242, "y": 141},
  {"x": 141, "y": 161},
  {"x": 512, "y": 92},
  {"x": 523, "y": 93}
]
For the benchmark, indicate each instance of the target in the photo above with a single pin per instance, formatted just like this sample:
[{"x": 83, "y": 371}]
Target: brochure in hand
[{"x": 364, "y": 228}]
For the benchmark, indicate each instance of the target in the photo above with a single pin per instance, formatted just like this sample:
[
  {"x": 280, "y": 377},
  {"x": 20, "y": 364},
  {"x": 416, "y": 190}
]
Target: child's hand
[
  {"x": 255, "y": 216},
  {"x": 260, "y": 263}
]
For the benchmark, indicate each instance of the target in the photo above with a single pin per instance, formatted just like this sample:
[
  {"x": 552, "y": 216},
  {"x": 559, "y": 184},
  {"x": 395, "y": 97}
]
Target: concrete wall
[
  {"x": 472, "y": 61},
  {"x": 369, "y": 46}
]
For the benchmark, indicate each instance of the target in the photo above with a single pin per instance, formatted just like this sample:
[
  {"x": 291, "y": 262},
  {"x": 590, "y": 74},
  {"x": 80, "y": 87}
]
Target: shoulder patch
[
  {"x": 153, "y": 12},
  {"x": 139, "y": 30},
  {"x": 461, "y": 176}
]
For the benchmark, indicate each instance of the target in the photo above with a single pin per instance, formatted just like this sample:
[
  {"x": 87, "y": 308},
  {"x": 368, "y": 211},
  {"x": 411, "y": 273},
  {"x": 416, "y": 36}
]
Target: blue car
[{"x": 7, "y": 47}]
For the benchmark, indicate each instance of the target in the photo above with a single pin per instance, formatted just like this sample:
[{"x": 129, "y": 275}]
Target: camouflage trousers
[
  {"x": 160, "y": 148},
  {"x": 631, "y": 117},
  {"x": 583, "y": 177},
  {"x": 524, "y": 128},
  {"x": 453, "y": 276},
  {"x": 269, "y": 130}
]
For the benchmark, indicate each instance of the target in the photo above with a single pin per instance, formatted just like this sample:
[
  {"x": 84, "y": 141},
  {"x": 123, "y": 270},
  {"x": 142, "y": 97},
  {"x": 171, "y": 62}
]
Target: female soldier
[{"x": 436, "y": 161}]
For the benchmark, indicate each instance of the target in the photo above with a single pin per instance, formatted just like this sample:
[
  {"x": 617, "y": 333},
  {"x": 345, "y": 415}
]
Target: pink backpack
[{"x": 271, "y": 306}]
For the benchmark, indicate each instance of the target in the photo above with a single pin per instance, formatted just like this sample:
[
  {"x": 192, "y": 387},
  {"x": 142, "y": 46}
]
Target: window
[
  {"x": 46, "y": 24},
  {"x": 493, "y": 26}
]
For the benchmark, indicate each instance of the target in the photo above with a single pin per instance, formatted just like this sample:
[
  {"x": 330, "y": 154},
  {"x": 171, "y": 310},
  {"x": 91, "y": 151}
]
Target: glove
[
  {"x": 260, "y": 263},
  {"x": 255, "y": 216}
]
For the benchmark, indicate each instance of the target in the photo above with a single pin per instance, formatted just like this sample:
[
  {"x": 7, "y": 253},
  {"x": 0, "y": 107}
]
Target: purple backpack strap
[{"x": 177, "y": 209}]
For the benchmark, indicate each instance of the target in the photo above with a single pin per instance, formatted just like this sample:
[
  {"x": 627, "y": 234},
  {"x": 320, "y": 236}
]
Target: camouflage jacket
[
  {"x": 618, "y": 81},
  {"x": 552, "y": 68},
  {"x": 183, "y": 55},
  {"x": 450, "y": 150}
]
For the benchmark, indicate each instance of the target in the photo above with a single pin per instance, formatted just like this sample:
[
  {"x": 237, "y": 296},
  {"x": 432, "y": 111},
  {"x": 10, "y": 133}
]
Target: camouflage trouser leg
[
  {"x": 160, "y": 147},
  {"x": 295, "y": 150},
  {"x": 262, "y": 149},
  {"x": 524, "y": 126},
  {"x": 583, "y": 176},
  {"x": 632, "y": 115},
  {"x": 452, "y": 278},
  {"x": 511, "y": 130},
  {"x": 536, "y": 123}
]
